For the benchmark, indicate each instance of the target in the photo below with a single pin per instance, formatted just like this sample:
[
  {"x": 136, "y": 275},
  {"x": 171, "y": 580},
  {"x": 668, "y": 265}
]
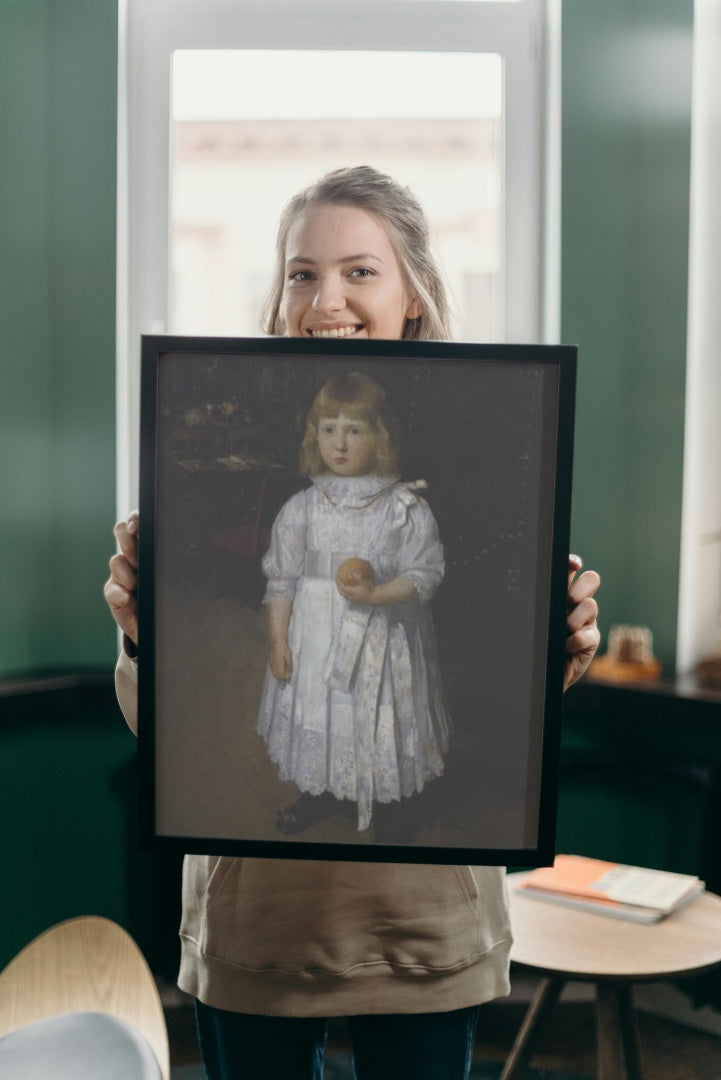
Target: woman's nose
[{"x": 329, "y": 295}]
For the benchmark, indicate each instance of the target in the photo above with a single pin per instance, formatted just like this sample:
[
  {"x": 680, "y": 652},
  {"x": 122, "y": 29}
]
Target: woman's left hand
[{"x": 582, "y": 633}]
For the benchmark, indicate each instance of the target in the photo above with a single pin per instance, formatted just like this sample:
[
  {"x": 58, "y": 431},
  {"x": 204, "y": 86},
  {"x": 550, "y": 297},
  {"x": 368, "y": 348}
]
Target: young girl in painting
[{"x": 352, "y": 702}]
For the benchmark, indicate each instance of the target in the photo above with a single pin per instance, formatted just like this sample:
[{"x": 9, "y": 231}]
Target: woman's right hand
[{"x": 121, "y": 587}]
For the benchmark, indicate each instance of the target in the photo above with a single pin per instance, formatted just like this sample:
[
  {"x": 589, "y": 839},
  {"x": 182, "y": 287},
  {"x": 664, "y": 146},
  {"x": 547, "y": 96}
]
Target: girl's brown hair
[
  {"x": 360, "y": 398},
  {"x": 402, "y": 216}
]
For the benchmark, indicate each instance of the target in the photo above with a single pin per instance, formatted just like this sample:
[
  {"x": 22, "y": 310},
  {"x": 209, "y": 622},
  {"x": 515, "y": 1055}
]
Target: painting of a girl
[{"x": 352, "y": 706}]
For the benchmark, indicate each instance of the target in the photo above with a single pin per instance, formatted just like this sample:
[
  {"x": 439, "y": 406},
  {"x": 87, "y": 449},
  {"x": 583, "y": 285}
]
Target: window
[
  {"x": 699, "y": 623},
  {"x": 215, "y": 135},
  {"x": 235, "y": 162}
]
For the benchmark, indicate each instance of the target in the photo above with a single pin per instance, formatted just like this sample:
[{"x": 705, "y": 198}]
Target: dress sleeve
[
  {"x": 420, "y": 558},
  {"x": 283, "y": 562},
  {"x": 126, "y": 688}
]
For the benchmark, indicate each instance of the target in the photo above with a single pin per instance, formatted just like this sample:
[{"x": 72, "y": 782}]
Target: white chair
[{"x": 80, "y": 1002}]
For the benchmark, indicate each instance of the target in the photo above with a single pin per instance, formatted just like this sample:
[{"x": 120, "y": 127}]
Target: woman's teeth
[{"x": 337, "y": 331}]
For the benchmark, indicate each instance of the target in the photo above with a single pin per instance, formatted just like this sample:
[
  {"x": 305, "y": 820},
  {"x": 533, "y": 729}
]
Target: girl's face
[
  {"x": 347, "y": 446},
  {"x": 342, "y": 277}
]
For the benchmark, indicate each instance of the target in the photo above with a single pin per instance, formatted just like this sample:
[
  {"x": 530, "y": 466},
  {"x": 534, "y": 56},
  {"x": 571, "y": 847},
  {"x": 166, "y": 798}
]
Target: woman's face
[
  {"x": 342, "y": 277},
  {"x": 347, "y": 446}
]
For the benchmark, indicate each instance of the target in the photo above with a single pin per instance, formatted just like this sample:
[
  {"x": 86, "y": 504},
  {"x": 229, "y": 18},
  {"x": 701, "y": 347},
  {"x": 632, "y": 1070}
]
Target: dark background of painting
[{"x": 481, "y": 433}]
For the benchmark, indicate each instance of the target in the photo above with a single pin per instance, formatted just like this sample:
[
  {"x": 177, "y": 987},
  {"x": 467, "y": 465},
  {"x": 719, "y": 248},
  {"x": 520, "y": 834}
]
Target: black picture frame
[{"x": 488, "y": 429}]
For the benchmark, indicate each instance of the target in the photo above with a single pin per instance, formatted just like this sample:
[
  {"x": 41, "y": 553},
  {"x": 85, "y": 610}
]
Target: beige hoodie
[{"x": 299, "y": 938}]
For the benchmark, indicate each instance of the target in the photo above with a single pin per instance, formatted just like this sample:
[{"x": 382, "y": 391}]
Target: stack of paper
[{"x": 624, "y": 892}]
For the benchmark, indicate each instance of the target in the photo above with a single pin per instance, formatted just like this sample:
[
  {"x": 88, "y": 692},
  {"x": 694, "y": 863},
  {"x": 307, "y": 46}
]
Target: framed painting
[{"x": 352, "y": 597}]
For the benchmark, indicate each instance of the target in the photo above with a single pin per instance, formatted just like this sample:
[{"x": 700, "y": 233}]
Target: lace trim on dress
[{"x": 353, "y": 492}]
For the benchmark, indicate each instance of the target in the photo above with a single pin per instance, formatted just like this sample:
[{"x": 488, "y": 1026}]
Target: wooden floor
[
  {"x": 669, "y": 1051},
  {"x": 567, "y": 1042}
]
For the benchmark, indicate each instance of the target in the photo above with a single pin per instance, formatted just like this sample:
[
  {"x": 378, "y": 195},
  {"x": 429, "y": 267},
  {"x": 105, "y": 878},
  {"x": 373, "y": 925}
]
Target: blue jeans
[{"x": 414, "y": 1046}]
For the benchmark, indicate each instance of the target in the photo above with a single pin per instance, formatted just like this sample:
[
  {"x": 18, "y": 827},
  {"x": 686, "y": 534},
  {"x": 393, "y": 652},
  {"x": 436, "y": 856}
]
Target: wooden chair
[{"x": 90, "y": 972}]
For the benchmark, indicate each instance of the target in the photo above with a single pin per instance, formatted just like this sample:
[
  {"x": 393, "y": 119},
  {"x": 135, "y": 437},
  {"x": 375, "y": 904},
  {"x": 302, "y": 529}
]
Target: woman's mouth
[{"x": 335, "y": 331}]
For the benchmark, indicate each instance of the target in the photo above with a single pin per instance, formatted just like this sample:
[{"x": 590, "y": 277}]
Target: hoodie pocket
[
  {"x": 301, "y": 916},
  {"x": 468, "y": 884}
]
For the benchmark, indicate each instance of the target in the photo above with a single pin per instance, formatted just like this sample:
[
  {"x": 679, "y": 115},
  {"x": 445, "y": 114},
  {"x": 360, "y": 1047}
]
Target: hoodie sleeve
[{"x": 126, "y": 688}]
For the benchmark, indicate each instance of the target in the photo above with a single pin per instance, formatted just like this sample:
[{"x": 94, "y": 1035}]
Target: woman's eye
[
  {"x": 300, "y": 276},
  {"x": 362, "y": 272}
]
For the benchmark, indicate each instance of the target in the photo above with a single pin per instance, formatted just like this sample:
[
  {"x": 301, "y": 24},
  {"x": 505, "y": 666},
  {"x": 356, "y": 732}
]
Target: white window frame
[
  {"x": 699, "y": 597},
  {"x": 526, "y": 34}
]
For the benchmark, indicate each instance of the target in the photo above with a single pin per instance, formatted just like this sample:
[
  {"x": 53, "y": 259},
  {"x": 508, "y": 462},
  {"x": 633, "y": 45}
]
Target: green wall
[
  {"x": 68, "y": 804},
  {"x": 58, "y": 72},
  {"x": 626, "y": 146},
  {"x": 67, "y": 761}
]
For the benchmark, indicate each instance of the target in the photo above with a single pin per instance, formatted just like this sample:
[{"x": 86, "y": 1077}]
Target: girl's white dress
[{"x": 363, "y": 715}]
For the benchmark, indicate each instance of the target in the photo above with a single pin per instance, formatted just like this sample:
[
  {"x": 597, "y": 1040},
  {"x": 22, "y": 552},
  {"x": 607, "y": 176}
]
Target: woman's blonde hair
[
  {"x": 359, "y": 398},
  {"x": 403, "y": 217}
]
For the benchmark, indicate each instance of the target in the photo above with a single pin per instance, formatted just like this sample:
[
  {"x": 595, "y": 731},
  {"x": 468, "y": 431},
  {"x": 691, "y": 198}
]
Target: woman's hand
[
  {"x": 121, "y": 587},
  {"x": 583, "y": 635}
]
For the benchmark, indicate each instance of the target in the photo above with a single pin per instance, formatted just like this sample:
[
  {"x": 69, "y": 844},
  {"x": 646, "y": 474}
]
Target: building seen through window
[{"x": 231, "y": 175}]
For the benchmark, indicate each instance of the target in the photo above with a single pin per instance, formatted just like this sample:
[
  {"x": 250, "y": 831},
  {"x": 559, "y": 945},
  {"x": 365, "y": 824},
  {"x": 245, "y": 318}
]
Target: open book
[{"x": 608, "y": 888}]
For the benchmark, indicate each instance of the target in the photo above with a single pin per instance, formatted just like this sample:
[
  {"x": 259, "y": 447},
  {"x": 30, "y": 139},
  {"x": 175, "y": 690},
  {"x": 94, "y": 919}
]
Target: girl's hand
[
  {"x": 121, "y": 587},
  {"x": 280, "y": 660},
  {"x": 399, "y": 590},
  {"x": 583, "y": 635},
  {"x": 361, "y": 592}
]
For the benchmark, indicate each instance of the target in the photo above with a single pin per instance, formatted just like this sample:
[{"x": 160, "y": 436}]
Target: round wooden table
[{"x": 562, "y": 944}]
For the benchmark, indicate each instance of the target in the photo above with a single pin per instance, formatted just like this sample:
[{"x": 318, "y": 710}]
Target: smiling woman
[
  {"x": 330, "y": 291},
  {"x": 353, "y": 259}
]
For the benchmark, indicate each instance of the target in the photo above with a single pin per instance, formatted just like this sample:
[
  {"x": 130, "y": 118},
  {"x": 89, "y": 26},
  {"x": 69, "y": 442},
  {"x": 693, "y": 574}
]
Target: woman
[{"x": 271, "y": 948}]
